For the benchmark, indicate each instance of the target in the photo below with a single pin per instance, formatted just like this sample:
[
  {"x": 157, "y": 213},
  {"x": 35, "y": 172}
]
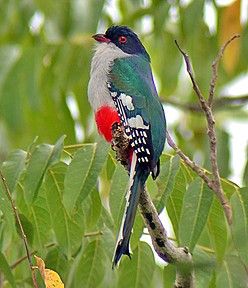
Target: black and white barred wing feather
[{"x": 134, "y": 123}]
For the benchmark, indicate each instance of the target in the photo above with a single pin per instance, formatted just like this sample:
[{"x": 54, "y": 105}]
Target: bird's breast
[{"x": 98, "y": 93}]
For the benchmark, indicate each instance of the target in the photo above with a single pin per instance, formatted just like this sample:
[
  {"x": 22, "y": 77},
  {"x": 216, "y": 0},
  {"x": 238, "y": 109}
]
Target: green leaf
[
  {"x": 91, "y": 266},
  {"x": 13, "y": 167},
  {"x": 232, "y": 274},
  {"x": 138, "y": 272},
  {"x": 5, "y": 269},
  {"x": 82, "y": 174},
  {"x": 138, "y": 229},
  {"x": 239, "y": 202},
  {"x": 157, "y": 278},
  {"x": 169, "y": 275},
  {"x": 57, "y": 261},
  {"x": 217, "y": 228},
  {"x": 57, "y": 150},
  {"x": 27, "y": 227},
  {"x": 196, "y": 204},
  {"x": 118, "y": 188},
  {"x": 204, "y": 265},
  {"x": 68, "y": 233},
  {"x": 91, "y": 210},
  {"x": 166, "y": 180},
  {"x": 108, "y": 241},
  {"x": 175, "y": 200},
  {"x": 43, "y": 156},
  {"x": 40, "y": 218}
]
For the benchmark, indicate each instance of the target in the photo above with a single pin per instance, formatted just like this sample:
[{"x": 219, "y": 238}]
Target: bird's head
[{"x": 124, "y": 38}]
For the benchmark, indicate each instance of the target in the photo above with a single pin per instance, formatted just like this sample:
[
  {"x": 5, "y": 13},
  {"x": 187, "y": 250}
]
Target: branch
[
  {"x": 224, "y": 102},
  {"x": 215, "y": 66},
  {"x": 179, "y": 256},
  {"x": 206, "y": 107},
  {"x": 197, "y": 169},
  {"x": 191, "y": 75},
  {"x": 24, "y": 238}
]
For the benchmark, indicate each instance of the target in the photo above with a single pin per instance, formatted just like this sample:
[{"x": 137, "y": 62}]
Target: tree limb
[
  {"x": 179, "y": 256},
  {"x": 206, "y": 107}
]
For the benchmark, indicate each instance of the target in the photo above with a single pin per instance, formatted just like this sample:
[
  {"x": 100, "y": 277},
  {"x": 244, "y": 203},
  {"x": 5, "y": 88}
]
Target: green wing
[{"x": 132, "y": 76}]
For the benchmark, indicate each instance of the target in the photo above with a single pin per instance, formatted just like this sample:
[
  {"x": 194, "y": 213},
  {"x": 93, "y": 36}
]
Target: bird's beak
[{"x": 101, "y": 38}]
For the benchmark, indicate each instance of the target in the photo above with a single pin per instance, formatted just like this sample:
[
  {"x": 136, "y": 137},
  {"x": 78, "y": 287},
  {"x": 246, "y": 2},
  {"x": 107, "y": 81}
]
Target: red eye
[{"x": 122, "y": 39}]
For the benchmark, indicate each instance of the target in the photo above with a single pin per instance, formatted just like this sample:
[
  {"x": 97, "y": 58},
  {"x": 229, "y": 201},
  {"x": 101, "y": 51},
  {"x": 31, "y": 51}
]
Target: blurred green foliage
[{"x": 45, "y": 52}]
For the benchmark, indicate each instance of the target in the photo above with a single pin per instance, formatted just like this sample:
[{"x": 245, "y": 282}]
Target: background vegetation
[{"x": 70, "y": 196}]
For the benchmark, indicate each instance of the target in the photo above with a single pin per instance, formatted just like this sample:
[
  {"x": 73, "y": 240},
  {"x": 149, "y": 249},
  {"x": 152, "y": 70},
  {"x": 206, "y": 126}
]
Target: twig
[
  {"x": 207, "y": 109},
  {"x": 24, "y": 238},
  {"x": 224, "y": 102},
  {"x": 179, "y": 256},
  {"x": 18, "y": 261},
  {"x": 195, "y": 85},
  {"x": 215, "y": 66},
  {"x": 199, "y": 171},
  {"x": 229, "y": 101}
]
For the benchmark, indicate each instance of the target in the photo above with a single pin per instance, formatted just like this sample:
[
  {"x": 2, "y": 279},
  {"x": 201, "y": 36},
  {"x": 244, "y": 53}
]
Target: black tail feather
[{"x": 138, "y": 176}]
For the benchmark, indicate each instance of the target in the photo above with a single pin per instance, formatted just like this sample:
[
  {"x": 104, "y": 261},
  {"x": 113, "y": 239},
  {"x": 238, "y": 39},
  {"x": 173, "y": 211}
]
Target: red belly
[{"x": 105, "y": 117}]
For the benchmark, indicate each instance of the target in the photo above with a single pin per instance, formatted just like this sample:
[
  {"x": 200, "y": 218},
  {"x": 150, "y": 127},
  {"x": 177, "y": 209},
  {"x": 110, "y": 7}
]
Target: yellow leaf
[
  {"x": 51, "y": 278},
  {"x": 230, "y": 25}
]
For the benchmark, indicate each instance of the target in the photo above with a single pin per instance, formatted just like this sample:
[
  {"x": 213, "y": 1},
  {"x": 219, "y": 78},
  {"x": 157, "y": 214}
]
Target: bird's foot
[{"x": 120, "y": 144}]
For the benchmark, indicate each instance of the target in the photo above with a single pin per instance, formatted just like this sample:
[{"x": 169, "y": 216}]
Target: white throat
[{"x": 98, "y": 94}]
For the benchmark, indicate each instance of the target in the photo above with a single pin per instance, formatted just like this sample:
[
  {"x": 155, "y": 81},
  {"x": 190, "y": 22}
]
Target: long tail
[{"x": 137, "y": 181}]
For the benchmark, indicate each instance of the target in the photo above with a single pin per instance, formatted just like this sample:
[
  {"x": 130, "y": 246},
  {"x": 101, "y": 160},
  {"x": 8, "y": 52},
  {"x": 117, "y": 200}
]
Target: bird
[{"x": 121, "y": 90}]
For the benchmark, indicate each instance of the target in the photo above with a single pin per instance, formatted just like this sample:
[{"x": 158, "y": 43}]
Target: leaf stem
[
  {"x": 94, "y": 233},
  {"x": 24, "y": 237},
  {"x": 74, "y": 146}
]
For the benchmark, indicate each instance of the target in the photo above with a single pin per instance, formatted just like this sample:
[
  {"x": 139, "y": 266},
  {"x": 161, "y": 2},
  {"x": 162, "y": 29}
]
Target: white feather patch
[
  {"x": 127, "y": 101},
  {"x": 137, "y": 122}
]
